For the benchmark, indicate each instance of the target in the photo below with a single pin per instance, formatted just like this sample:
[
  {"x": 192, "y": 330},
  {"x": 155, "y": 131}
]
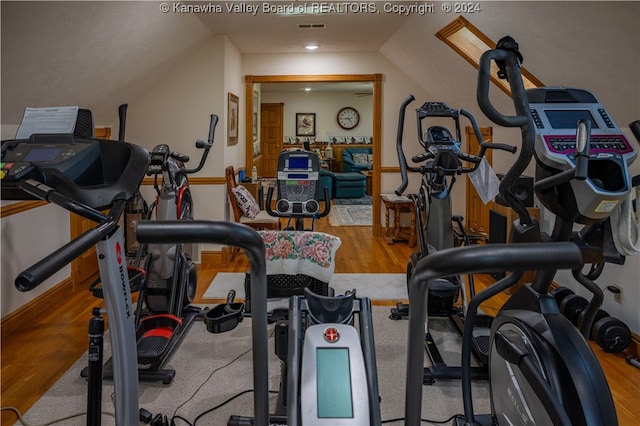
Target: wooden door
[
  {"x": 477, "y": 214},
  {"x": 271, "y": 134}
]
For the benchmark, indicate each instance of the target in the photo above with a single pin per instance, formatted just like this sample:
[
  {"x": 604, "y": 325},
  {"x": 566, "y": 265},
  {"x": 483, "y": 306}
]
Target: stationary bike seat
[{"x": 327, "y": 309}]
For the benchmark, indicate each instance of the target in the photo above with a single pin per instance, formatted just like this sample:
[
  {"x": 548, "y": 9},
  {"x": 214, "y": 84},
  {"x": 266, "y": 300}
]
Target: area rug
[
  {"x": 350, "y": 215},
  {"x": 362, "y": 201},
  {"x": 373, "y": 286},
  {"x": 213, "y": 368}
]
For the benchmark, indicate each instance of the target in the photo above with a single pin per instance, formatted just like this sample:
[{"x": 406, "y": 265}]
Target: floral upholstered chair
[{"x": 246, "y": 209}]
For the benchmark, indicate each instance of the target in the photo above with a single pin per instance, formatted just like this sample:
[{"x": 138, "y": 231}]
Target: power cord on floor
[
  {"x": 176, "y": 417},
  {"x": 52, "y": 422},
  {"x": 438, "y": 422}
]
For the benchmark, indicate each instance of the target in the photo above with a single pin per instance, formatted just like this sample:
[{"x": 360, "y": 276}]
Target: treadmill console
[
  {"x": 41, "y": 155},
  {"x": 72, "y": 166},
  {"x": 298, "y": 173}
]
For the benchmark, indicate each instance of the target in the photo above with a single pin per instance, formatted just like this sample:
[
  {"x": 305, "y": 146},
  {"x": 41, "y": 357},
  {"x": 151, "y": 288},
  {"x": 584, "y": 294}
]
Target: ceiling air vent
[{"x": 310, "y": 26}]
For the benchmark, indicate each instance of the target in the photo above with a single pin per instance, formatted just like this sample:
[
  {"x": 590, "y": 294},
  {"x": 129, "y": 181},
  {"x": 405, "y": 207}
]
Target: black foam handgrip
[
  {"x": 212, "y": 126},
  {"x": 122, "y": 114},
  {"x": 583, "y": 135},
  {"x": 635, "y": 129},
  {"x": 36, "y": 274}
]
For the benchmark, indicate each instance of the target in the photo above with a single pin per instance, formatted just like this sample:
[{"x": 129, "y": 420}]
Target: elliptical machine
[
  {"x": 328, "y": 368},
  {"x": 167, "y": 282},
  {"x": 298, "y": 173},
  {"x": 542, "y": 370},
  {"x": 434, "y": 222},
  {"x": 170, "y": 284}
]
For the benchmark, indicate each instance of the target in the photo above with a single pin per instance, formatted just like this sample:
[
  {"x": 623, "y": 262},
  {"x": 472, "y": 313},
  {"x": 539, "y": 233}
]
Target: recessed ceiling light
[
  {"x": 311, "y": 46},
  {"x": 307, "y": 89}
]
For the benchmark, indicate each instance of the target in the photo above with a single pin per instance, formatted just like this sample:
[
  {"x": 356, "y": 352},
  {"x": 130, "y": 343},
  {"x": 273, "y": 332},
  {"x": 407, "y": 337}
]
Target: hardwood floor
[{"x": 35, "y": 357}]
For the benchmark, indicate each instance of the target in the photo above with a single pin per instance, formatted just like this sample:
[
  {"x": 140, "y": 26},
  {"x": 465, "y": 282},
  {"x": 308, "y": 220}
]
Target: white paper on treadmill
[
  {"x": 47, "y": 120},
  {"x": 485, "y": 181}
]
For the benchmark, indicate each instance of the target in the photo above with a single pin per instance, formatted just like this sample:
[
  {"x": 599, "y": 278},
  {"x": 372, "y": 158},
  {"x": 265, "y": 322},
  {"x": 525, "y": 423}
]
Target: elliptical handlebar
[
  {"x": 122, "y": 114},
  {"x": 463, "y": 260},
  {"x": 238, "y": 235},
  {"x": 401, "y": 157},
  {"x": 635, "y": 129},
  {"x": 583, "y": 136},
  {"x": 508, "y": 58},
  {"x": 439, "y": 109},
  {"x": 205, "y": 145},
  {"x": 162, "y": 159}
]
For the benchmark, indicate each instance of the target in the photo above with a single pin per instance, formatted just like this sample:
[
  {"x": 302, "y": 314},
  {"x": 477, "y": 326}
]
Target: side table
[{"x": 398, "y": 205}]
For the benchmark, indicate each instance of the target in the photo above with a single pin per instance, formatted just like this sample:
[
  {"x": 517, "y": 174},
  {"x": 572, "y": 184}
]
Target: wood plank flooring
[{"x": 35, "y": 357}]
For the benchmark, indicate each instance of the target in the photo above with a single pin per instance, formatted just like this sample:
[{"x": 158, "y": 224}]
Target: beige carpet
[{"x": 211, "y": 368}]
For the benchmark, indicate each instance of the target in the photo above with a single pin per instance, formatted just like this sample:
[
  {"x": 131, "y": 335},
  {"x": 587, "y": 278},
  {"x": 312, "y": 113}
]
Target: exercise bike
[
  {"x": 328, "y": 368},
  {"x": 86, "y": 176},
  {"x": 434, "y": 221},
  {"x": 298, "y": 173},
  {"x": 542, "y": 370},
  {"x": 167, "y": 282}
]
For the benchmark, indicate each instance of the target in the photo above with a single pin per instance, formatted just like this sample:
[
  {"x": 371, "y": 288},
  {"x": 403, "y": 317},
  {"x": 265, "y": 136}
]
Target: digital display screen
[
  {"x": 297, "y": 176},
  {"x": 335, "y": 399},
  {"x": 568, "y": 119},
  {"x": 441, "y": 135},
  {"x": 299, "y": 163},
  {"x": 42, "y": 154}
]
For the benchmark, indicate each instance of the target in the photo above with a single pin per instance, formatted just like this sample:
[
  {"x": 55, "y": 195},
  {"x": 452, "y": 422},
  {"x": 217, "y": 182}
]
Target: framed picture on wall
[
  {"x": 232, "y": 119},
  {"x": 305, "y": 124}
]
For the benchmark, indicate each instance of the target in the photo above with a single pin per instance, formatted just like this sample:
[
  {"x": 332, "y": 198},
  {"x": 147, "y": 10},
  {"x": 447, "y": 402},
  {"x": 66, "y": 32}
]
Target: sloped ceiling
[
  {"x": 593, "y": 45},
  {"x": 101, "y": 54},
  {"x": 93, "y": 54}
]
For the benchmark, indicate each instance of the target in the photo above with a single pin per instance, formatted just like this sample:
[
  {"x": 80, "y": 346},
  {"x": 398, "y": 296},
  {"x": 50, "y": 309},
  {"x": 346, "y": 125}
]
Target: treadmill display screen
[
  {"x": 568, "y": 119},
  {"x": 38, "y": 155},
  {"x": 299, "y": 163},
  {"x": 335, "y": 399}
]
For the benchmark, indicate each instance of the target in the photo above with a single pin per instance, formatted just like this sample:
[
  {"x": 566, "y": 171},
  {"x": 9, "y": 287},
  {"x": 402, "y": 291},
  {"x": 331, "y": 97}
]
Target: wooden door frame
[{"x": 375, "y": 79}]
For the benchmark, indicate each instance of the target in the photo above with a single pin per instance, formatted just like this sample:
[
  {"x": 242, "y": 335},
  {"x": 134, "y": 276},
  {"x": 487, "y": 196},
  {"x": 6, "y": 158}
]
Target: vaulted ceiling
[{"x": 100, "y": 54}]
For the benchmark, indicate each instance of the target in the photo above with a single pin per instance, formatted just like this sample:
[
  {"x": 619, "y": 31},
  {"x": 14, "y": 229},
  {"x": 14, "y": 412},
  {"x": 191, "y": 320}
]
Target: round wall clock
[{"x": 348, "y": 118}]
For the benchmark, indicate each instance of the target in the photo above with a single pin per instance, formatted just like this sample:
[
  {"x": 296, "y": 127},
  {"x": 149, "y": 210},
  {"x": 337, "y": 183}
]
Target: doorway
[{"x": 251, "y": 116}]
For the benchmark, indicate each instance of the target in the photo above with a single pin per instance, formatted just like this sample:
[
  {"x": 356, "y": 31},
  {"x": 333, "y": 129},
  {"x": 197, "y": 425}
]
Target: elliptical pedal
[
  {"x": 156, "y": 292},
  {"x": 481, "y": 344}
]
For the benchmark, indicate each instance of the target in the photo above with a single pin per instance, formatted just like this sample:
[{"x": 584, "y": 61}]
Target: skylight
[{"x": 471, "y": 43}]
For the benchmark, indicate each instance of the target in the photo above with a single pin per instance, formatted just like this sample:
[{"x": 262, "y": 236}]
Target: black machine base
[
  {"x": 481, "y": 420},
  {"x": 439, "y": 368},
  {"x": 153, "y": 372}
]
